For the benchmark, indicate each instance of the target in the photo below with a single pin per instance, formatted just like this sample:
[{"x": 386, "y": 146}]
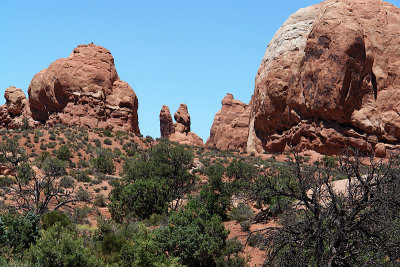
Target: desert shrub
[
  {"x": 80, "y": 215},
  {"x": 142, "y": 198},
  {"x": 67, "y": 182},
  {"x": 43, "y": 146},
  {"x": 52, "y": 218},
  {"x": 18, "y": 232},
  {"x": 357, "y": 227},
  {"x": 144, "y": 250},
  {"x": 99, "y": 201},
  {"x": 241, "y": 213},
  {"x": 103, "y": 162},
  {"x": 245, "y": 226},
  {"x": 231, "y": 255},
  {"x": 64, "y": 153},
  {"x": 59, "y": 246},
  {"x": 194, "y": 235},
  {"x": 256, "y": 240},
  {"x": 83, "y": 163},
  {"x": 152, "y": 181},
  {"x": 82, "y": 176},
  {"x": 107, "y": 141}
]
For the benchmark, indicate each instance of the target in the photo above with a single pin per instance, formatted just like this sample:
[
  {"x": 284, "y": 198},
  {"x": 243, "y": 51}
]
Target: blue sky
[{"x": 170, "y": 52}]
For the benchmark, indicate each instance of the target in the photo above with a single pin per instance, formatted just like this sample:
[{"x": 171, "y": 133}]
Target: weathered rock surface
[
  {"x": 180, "y": 131},
  {"x": 84, "y": 89},
  {"x": 167, "y": 127},
  {"x": 330, "y": 78},
  {"x": 182, "y": 118},
  {"x": 15, "y": 112},
  {"x": 230, "y": 126}
]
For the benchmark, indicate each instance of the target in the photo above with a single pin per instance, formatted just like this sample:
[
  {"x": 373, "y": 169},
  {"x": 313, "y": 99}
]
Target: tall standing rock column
[{"x": 166, "y": 124}]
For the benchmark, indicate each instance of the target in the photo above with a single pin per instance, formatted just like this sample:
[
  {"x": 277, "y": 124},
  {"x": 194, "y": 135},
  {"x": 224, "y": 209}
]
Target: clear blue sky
[{"x": 170, "y": 52}]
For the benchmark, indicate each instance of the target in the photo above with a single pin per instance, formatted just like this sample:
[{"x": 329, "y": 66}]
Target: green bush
[
  {"x": 241, "y": 213},
  {"x": 18, "y": 232},
  {"x": 51, "y": 218},
  {"x": 63, "y": 153},
  {"x": 143, "y": 198},
  {"x": 245, "y": 226},
  {"x": 59, "y": 246},
  {"x": 194, "y": 235},
  {"x": 67, "y": 182},
  {"x": 103, "y": 162}
]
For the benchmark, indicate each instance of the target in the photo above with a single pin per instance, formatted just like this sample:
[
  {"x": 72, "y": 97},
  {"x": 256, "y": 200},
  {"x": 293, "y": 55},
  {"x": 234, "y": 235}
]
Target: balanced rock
[
  {"x": 167, "y": 127},
  {"x": 84, "y": 89},
  {"x": 180, "y": 131},
  {"x": 329, "y": 79},
  {"x": 230, "y": 126}
]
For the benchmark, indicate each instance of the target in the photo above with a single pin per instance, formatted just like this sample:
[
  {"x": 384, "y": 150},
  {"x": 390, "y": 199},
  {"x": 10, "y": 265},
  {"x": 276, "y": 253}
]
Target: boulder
[
  {"x": 230, "y": 126},
  {"x": 329, "y": 78},
  {"x": 15, "y": 113}
]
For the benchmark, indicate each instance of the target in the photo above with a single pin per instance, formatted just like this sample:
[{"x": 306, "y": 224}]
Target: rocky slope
[
  {"x": 180, "y": 131},
  {"x": 330, "y": 78},
  {"x": 83, "y": 89},
  {"x": 230, "y": 126}
]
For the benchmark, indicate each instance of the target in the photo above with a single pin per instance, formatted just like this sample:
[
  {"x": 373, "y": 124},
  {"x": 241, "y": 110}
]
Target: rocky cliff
[{"x": 330, "y": 78}]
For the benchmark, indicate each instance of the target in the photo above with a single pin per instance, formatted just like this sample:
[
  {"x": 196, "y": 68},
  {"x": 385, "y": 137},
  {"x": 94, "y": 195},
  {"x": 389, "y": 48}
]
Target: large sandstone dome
[
  {"x": 84, "y": 89},
  {"x": 330, "y": 78}
]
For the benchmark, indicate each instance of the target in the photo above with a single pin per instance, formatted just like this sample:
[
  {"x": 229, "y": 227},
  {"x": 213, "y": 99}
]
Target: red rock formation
[
  {"x": 84, "y": 89},
  {"x": 167, "y": 127},
  {"x": 330, "y": 78},
  {"x": 230, "y": 126},
  {"x": 16, "y": 109},
  {"x": 180, "y": 132},
  {"x": 182, "y": 119}
]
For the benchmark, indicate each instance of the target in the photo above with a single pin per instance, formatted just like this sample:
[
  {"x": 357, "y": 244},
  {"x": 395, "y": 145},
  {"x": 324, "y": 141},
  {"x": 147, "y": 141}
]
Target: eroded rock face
[
  {"x": 230, "y": 126},
  {"x": 84, "y": 89},
  {"x": 15, "y": 112},
  {"x": 182, "y": 118},
  {"x": 167, "y": 127},
  {"x": 330, "y": 78},
  {"x": 180, "y": 131}
]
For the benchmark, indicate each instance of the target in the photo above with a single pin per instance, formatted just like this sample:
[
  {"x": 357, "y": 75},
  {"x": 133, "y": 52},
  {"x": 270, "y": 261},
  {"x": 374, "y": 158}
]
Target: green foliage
[
  {"x": 53, "y": 167},
  {"x": 103, "y": 162},
  {"x": 18, "y": 232},
  {"x": 51, "y": 218},
  {"x": 145, "y": 197},
  {"x": 231, "y": 255},
  {"x": 152, "y": 181},
  {"x": 107, "y": 141},
  {"x": 67, "y": 182},
  {"x": 245, "y": 226},
  {"x": 25, "y": 172},
  {"x": 240, "y": 170},
  {"x": 144, "y": 250},
  {"x": 241, "y": 213},
  {"x": 194, "y": 235},
  {"x": 60, "y": 246},
  {"x": 63, "y": 153}
]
